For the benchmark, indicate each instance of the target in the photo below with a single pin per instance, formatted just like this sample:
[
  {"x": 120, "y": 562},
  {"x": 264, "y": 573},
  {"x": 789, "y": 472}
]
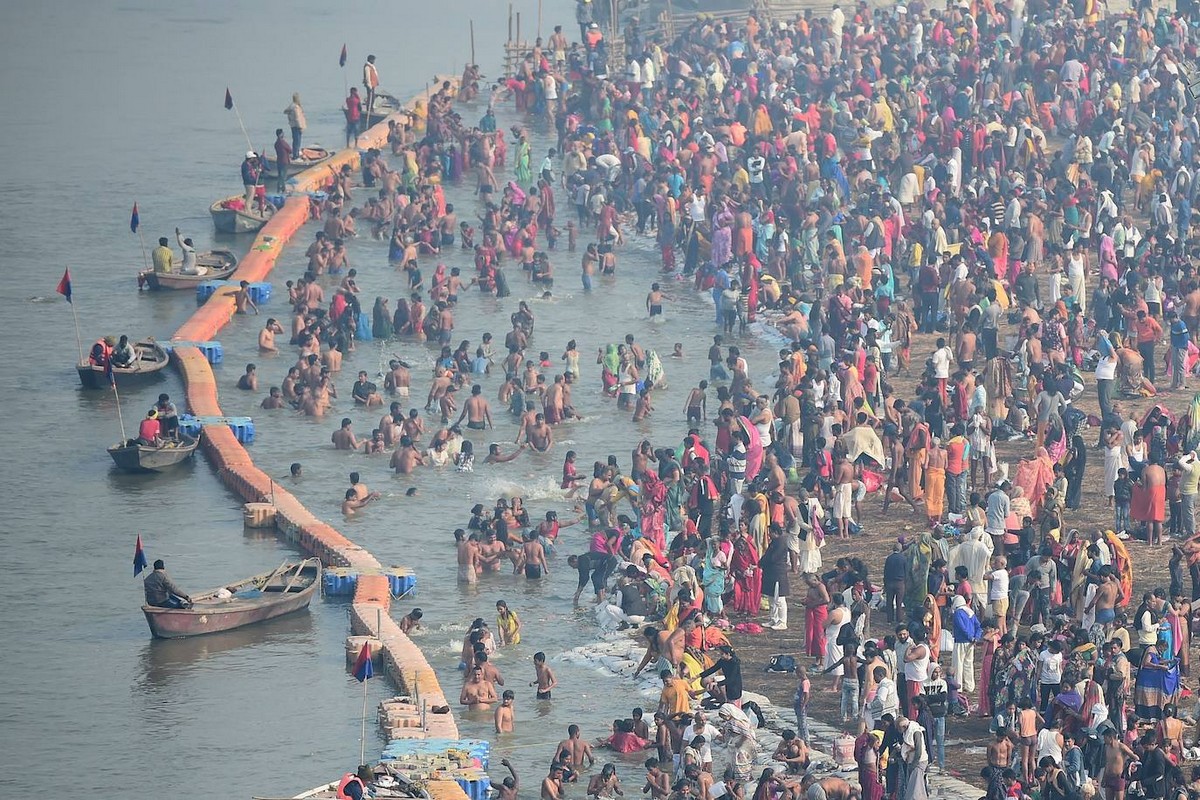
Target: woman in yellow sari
[{"x": 935, "y": 481}]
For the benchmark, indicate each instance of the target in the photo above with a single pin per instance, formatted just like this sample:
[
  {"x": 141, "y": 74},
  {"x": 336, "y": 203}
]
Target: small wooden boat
[
  {"x": 212, "y": 265},
  {"x": 152, "y": 359},
  {"x": 385, "y": 105},
  {"x": 238, "y": 220},
  {"x": 387, "y": 782},
  {"x": 256, "y": 599},
  {"x": 309, "y": 157},
  {"x": 133, "y": 457}
]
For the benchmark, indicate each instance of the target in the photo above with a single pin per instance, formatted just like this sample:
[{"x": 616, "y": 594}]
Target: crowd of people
[{"x": 1003, "y": 191}]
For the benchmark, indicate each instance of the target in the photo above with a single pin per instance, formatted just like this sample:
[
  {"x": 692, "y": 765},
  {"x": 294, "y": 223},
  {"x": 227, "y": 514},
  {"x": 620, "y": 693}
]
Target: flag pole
[
  {"x": 120, "y": 416},
  {"x": 78, "y": 337},
  {"x": 142, "y": 239},
  {"x": 242, "y": 125},
  {"x": 362, "y": 742}
]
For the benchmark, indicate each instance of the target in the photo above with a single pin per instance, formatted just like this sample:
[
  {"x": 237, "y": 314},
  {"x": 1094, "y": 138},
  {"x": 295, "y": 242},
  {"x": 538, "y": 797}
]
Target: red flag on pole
[
  {"x": 342, "y": 57},
  {"x": 228, "y": 99},
  {"x": 139, "y": 557},
  {"x": 362, "y": 665},
  {"x": 64, "y": 285}
]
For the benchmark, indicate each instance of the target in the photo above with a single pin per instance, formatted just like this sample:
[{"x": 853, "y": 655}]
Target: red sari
[
  {"x": 747, "y": 579},
  {"x": 985, "y": 676}
]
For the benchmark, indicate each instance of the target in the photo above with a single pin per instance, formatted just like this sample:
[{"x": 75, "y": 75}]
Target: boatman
[
  {"x": 251, "y": 178},
  {"x": 162, "y": 257},
  {"x": 351, "y": 787},
  {"x": 370, "y": 83},
  {"x": 189, "y": 254},
  {"x": 283, "y": 159},
  {"x": 161, "y": 591}
]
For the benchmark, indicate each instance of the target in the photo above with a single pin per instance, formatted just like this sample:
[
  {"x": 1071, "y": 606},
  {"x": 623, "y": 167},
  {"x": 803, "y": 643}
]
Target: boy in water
[
  {"x": 654, "y": 301},
  {"x": 505, "y": 718},
  {"x": 545, "y": 680}
]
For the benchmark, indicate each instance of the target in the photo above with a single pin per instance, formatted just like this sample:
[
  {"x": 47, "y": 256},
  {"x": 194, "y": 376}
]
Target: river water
[{"x": 113, "y": 103}]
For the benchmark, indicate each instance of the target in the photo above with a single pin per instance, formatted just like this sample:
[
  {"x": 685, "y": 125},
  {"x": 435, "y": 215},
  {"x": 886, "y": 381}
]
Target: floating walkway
[{"x": 407, "y": 718}]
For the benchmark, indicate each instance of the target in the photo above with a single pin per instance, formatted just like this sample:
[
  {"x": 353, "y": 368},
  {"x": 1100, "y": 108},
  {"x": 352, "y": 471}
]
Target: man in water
[
  {"x": 476, "y": 411},
  {"x": 535, "y": 557},
  {"x": 161, "y": 591},
  {"x": 666, "y": 646},
  {"x": 505, "y": 718},
  {"x": 266, "y": 337},
  {"x": 597, "y": 566},
  {"x": 540, "y": 436},
  {"x": 544, "y": 678},
  {"x": 477, "y": 693}
]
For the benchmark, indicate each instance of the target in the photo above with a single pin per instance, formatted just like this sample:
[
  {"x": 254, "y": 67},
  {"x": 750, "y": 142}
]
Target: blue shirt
[{"x": 1179, "y": 334}]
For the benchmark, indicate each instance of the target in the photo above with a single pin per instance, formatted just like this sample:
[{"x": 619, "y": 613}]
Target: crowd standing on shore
[{"x": 1006, "y": 189}]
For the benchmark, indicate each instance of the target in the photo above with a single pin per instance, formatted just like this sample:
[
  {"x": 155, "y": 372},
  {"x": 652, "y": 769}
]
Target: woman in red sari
[
  {"x": 747, "y": 580},
  {"x": 991, "y": 638},
  {"x": 866, "y": 753}
]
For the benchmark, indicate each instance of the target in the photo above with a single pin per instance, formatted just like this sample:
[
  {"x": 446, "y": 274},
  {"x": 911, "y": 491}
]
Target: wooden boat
[
  {"x": 287, "y": 589},
  {"x": 214, "y": 265},
  {"x": 385, "y": 105},
  {"x": 232, "y": 220},
  {"x": 309, "y": 157},
  {"x": 152, "y": 360},
  {"x": 133, "y": 457},
  {"x": 388, "y": 782}
]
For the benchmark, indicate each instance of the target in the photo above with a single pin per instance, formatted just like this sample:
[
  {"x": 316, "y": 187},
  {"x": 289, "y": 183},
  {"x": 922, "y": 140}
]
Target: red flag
[
  {"x": 139, "y": 557},
  {"x": 362, "y": 665},
  {"x": 64, "y": 286},
  {"x": 228, "y": 99},
  {"x": 134, "y": 220},
  {"x": 342, "y": 57}
]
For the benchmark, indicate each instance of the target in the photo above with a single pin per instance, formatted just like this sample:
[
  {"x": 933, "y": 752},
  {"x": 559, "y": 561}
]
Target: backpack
[{"x": 781, "y": 663}]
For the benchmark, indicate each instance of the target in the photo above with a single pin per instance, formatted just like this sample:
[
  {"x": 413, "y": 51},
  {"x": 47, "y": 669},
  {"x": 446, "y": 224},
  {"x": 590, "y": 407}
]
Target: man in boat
[
  {"x": 371, "y": 84},
  {"x": 189, "y": 266},
  {"x": 150, "y": 429},
  {"x": 168, "y": 416},
  {"x": 101, "y": 351},
  {"x": 124, "y": 354},
  {"x": 161, "y": 591},
  {"x": 162, "y": 257},
  {"x": 252, "y": 172},
  {"x": 283, "y": 159}
]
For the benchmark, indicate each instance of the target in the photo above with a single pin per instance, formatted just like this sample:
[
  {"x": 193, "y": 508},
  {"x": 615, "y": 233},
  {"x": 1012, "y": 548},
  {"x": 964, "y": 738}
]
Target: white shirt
[
  {"x": 708, "y": 732},
  {"x": 941, "y": 363},
  {"x": 998, "y": 585},
  {"x": 1106, "y": 368},
  {"x": 1051, "y": 667},
  {"x": 911, "y": 735},
  {"x": 917, "y": 670},
  {"x": 696, "y": 208}
]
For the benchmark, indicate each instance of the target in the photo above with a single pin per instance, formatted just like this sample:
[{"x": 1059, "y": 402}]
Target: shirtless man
[
  {"x": 494, "y": 455},
  {"x": 552, "y": 788},
  {"x": 843, "y": 496},
  {"x": 442, "y": 381},
  {"x": 793, "y": 752},
  {"x": 406, "y": 457},
  {"x": 397, "y": 380},
  {"x": 1104, "y": 602},
  {"x": 511, "y": 785},
  {"x": 468, "y": 556},
  {"x": 505, "y": 718},
  {"x": 658, "y": 782},
  {"x": 544, "y": 678},
  {"x": 1000, "y": 750},
  {"x": 343, "y": 438},
  {"x": 389, "y": 424},
  {"x": 476, "y": 411},
  {"x": 540, "y": 437},
  {"x": 577, "y": 748},
  {"x": 242, "y": 300},
  {"x": 266, "y": 337},
  {"x": 696, "y": 407},
  {"x": 1116, "y": 754},
  {"x": 535, "y": 557},
  {"x": 665, "y": 646},
  {"x": 477, "y": 693},
  {"x": 352, "y": 503}
]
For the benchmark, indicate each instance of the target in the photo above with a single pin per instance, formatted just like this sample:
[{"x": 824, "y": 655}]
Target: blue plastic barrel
[
  {"x": 260, "y": 292},
  {"x": 212, "y": 351},
  {"x": 276, "y": 199},
  {"x": 189, "y": 425},
  {"x": 207, "y": 289},
  {"x": 243, "y": 429}
]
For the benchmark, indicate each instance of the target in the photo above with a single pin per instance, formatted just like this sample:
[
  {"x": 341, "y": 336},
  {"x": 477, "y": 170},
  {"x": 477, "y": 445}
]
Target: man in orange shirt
[
  {"x": 956, "y": 469},
  {"x": 1148, "y": 332}
]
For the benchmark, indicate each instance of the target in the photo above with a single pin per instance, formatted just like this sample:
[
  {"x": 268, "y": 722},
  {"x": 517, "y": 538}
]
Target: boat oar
[{"x": 278, "y": 569}]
